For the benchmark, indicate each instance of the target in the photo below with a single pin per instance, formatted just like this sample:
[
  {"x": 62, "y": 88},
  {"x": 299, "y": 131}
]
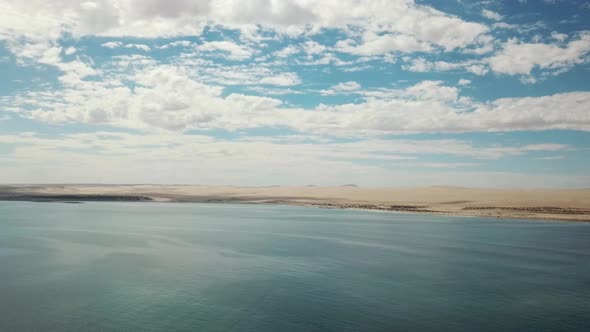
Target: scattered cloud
[
  {"x": 167, "y": 98},
  {"x": 476, "y": 67},
  {"x": 491, "y": 15},
  {"x": 374, "y": 44},
  {"x": 517, "y": 58},
  {"x": 112, "y": 44},
  {"x": 344, "y": 87},
  {"x": 311, "y": 47},
  {"x": 124, "y": 18},
  {"x": 287, "y": 51},
  {"x": 284, "y": 79},
  {"x": 178, "y": 43},
  {"x": 142, "y": 47},
  {"x": 70, "y": 50},
  {"x": 504, "y": 25},
  {"x": 235, "y": 51}
]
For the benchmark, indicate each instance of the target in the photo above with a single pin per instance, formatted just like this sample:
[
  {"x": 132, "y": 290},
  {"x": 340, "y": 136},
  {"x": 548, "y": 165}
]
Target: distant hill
[{"x": 349, "y": 185}]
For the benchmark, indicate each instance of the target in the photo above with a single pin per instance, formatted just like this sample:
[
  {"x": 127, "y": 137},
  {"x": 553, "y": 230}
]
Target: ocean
[{"x": 228, "y": 267}]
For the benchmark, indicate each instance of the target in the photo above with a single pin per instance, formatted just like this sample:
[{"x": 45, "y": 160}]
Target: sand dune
[{"x": 558, "y": 204}]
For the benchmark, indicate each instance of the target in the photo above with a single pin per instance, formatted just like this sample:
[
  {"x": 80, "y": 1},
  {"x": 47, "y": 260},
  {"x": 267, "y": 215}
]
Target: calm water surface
[{"x": 202, "y": 267}]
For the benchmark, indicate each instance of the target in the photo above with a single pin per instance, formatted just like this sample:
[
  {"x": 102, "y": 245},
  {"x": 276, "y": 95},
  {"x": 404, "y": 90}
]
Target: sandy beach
[{"x": 551, "y": 204}]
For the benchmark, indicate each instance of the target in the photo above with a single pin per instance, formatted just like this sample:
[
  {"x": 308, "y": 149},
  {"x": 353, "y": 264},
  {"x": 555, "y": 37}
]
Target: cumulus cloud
[
  {"x": 342, "y": 88},
  {"x": 112, "y": 44},
  {"x": 311, "y": 47},
  {"x": 164, "y": 97},
  {"x": 142, "y": 47},
  {"x": 435, "y": 108},
  {"x": 168, "y": 98},
  {"x": 521, "y": 58},
  {"x": 372, "y": 30},
  {"x": 287, "y": 51},
  {"x": 235, "y": 51},
  {"x": 45, "y": 53},
  {"x": 504, "y": 25},
  {"x": 251, "y": 73},
  {"x": 491, "y": 15},
  {"x": 477, "y": 67},
  {"x": 70, "y": 50},
  {"x": 120, "y": 18},
  {"x": 284, "y": 79},
  {"x": 178, "y": 43}
]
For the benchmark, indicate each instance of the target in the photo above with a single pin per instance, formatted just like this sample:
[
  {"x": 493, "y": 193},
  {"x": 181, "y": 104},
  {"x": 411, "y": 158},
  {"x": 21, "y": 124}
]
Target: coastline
[{"x": 538, "y": 204}]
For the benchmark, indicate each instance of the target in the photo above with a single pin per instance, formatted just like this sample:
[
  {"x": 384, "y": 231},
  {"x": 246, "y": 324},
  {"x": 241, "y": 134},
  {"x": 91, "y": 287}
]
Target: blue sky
[{"x": 296, "y": 92}]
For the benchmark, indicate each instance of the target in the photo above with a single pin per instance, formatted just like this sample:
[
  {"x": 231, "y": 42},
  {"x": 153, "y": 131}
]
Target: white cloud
[
  {"x": 272, "y": 91},
  {"x": 347, "y": 86},
  {"x": 236, "y": 52},
  {"x": 163, "y": 98},
  {"x": 356, "y": 68},
  {"x": 250, "y": 73},
  {"x": 422, "y": 91},
  {"x": 167, "y": 98},
  {"x": 481, "y": 50},
  {"x": 325, "y": 59},
  {"x": 70, "y": 50},
  {"x": 311, "y": 47},
  {"x": 178, "y": 43},
  {"x": 491, "y": 15},
  {"x": 120, "y": 18},
  {"x": 42, "y": 52},
  {"x": 521, "y": 58},
  {"x": 142, "y": 47},
  {"x": 464, "y": 82},
  {"x": 342, "y": 88},
  {"x": 559, "y": 36},
  {"x": 477, "y": 67},
  {"x": 131, "y": 60},
  {"x": 284, "y": 79},
  {"x": 374, "y": 44},
  {"x": 112, "y": 44},
  {"x": 287, "y": 51},
  {"x": 504, "y": 25}
]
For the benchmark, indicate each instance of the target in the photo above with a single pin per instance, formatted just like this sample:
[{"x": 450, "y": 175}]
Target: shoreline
[
  {"x": 535, "y": 204},
  {"x": 488, "y": 212}
]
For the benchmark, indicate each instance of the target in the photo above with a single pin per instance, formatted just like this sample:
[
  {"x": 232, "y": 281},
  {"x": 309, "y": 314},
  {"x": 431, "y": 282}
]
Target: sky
[{"x": 296, "y": 92}]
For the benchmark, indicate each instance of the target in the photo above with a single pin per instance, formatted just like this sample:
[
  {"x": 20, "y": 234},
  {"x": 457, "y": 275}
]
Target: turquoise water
[{"x": 206, "y": 267}]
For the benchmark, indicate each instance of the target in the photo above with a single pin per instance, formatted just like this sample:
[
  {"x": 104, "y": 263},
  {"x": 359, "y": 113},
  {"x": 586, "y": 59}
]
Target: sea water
[{"x": 221, "y": 267}]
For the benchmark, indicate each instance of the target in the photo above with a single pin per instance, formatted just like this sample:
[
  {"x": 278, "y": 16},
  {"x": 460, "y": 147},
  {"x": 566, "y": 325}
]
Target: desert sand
[{"x": 551, "y": 204}]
